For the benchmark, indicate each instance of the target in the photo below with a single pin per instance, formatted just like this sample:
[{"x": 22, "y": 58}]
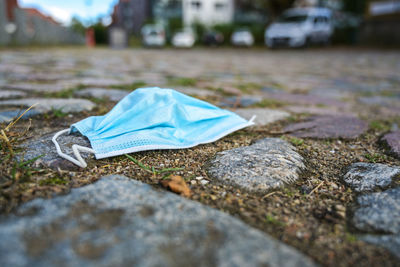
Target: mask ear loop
[
  {"x": 252, "y": 119},
  {"x": 75, "y": 148}
]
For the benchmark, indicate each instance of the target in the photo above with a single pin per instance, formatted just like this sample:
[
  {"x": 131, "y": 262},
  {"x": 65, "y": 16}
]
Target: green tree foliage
[
  {"x": 355, "y": 6},
  {"x": 175, "y": 25},
  {"x": 226, "y": 30},
  {"x": 100, "y": 32},
  {"x": 77, "y": 26},
  {"x": 275, "y": 7},
  {"x": 199, "y": 30}
]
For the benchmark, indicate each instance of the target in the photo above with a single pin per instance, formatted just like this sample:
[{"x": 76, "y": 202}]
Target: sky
[{"x": 64, "y": 10}]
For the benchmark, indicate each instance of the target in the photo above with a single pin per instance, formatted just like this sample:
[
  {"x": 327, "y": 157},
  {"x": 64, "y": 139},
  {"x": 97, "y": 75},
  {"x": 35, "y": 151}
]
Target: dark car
[{"x": 213, "y": 38}]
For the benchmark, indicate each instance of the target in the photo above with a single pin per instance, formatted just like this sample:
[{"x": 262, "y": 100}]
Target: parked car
[
  {"x": 184, "y": 38},
  {"x": 300, "y": 27},
  {"x": 242, "y": 37},
  {"x": 213, "y": 38},
  {"x": 153, "y": 35}
]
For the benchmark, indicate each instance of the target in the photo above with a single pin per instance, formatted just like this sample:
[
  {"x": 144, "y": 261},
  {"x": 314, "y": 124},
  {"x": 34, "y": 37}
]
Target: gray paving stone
[
  {"x": 267, "y": 164},
  {"x": 330, "y": 92},
  {"x": 112, "y": 94},
  {"x": 121, "y": 222},
  {"x": 41, "y": 76},
  {"x": 44, "y": 147},
  {"x": 97, "y": 81},
  {"x": 314, "y": 110},
  {"x": 380, "y": 100},
  {"x": 270, "y": 90},
  {"x": 11, "y": 94},
  {"x": 240, "y": 101},
  {"x": 264, "y": 115},
  {"x": 305, "y": 99},
  {"x": 392, "y": 139},
  {"x": 368, "y": 176},
  {"x": 387, "y": 111},
  {"x": 320, "y": 127},
  {"x": 196, "y": 91},
  {"x": 10, "y": 114},
  {"x": 379, "y": 212},
  {"x": 390, "y": 242},
  {"x": 39, "y": 87},
  {"x": 48, "y": 104}
]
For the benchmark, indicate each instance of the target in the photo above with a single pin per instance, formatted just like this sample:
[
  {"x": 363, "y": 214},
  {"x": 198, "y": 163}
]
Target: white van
[
  {"x": 153, "y": 35},
  {"x": 299, "y": 27}
]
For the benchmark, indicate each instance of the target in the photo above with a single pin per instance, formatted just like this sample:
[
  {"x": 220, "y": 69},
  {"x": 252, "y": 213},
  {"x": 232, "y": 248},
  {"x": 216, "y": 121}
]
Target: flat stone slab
[
  {"x": 390, "y": 242},
  {"x": 380, "y": 100},
  {"x": 264, "y": 115},
  {"x": 305, "y": 99},
  {"x": 122, "y": 222},
  {"x": 39, "y": 87},
  {"x": 44, "y": 147},
  {"x": 314, "y": 110},
  {"x": 369, "y": 176},
  {"x": 4, "y": 94},
  {"x": 379, "y": 212},
  {"x": 320, "y": 127},
  {"x": 196, "y": 91},
  {"x": 330, "y": 92},
  {"x": 39, "y": 76},
  {"x": 240, "y": 101},
  {"x": 267, "y": 164},
  {"x": 48, "y": 104},
  {"x": 392, "y": 139},
  {"x": 112, "y": 94},
  {"x": 97, "y": 81},
  {"x": 10, "y": 114}
]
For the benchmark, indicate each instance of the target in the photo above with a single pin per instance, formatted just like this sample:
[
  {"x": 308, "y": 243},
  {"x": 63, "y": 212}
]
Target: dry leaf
[{"x": 177, "y": 184}]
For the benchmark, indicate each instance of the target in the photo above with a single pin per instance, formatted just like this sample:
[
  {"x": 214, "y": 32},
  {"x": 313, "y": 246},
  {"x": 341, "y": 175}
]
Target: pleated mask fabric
[{"x": 152, "y": 119}]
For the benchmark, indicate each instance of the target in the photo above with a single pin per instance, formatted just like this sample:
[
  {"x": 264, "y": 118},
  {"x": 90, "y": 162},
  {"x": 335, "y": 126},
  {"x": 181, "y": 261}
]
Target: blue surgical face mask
[{"x": 150, "y": 119}]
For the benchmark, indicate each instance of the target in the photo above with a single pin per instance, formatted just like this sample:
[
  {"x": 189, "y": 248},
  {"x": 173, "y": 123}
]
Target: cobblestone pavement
[{"x": 313, "y": 192}]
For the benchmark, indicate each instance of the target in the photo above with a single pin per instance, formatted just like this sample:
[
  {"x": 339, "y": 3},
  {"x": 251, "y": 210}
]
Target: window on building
[
  {"x": 196, "y": 5},
  {"x": 219, "y": 6}
]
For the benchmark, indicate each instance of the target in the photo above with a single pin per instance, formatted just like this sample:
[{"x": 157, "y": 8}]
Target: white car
[
  {"x": 153, "y": 35},
  {"x": 299, "y": 27},
  {"x": 183, "y": 39},
  {"x": 242, "y": 37}
]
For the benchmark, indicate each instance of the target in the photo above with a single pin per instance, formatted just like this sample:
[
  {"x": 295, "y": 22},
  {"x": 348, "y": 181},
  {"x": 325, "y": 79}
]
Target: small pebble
[
  {"x": 204, "y": 182},
  {"x": 334, "y": 186}
]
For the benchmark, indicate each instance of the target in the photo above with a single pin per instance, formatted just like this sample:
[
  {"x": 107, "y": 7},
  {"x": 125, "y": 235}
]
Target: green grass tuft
[
  {"x": 374, "y": 158},
  {"x": 269, "y": 103},
  {"x": 152, "y": 169},
  {"x": 129, "y": 87},
  {"x": 296, "y": 141},
  {"x": 272, "y": 220},
  {"x": 182, "y": 81}
]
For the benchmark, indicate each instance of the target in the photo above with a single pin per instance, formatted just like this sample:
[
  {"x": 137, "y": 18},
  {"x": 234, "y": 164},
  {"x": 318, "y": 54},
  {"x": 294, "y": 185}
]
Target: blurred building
[
  {"x": 208, "y": 12},
  {"x": 250, "y": 13},
  {"x": 166, "y": 10},
  {"x": 23, "y": 26},
  {"x": 4, "y": 37},
  {"x": 382, "y": 23},
  {"x": 333, "y": 4},
  {"x": 130, "y": 15}
]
